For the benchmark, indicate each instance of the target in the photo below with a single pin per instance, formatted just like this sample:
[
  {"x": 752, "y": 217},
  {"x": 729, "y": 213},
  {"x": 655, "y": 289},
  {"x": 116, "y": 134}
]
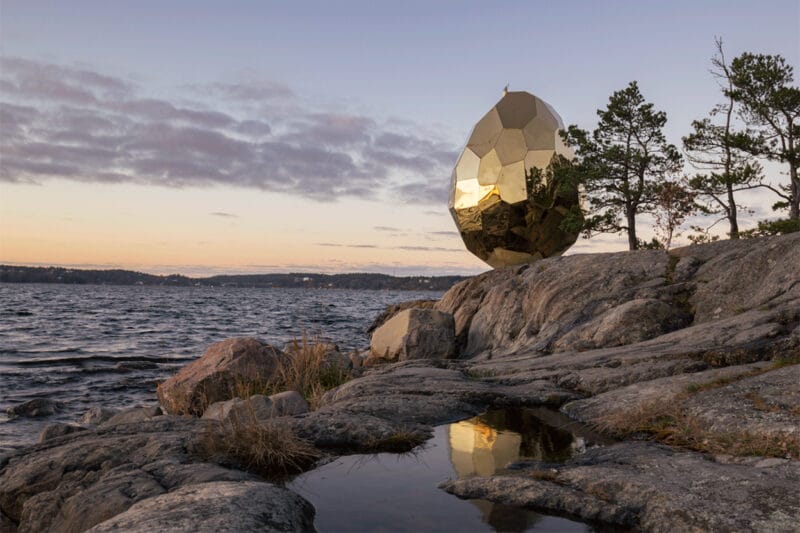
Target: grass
[
  {"x": 401, "y": 441},
  {"x": 669, "y": 422},
  {"x": 308, "y": 370},
  {"x": 480, "y": 373},
  {"x": 778, "y": 362},
  {"x": 269, "y": 448}
]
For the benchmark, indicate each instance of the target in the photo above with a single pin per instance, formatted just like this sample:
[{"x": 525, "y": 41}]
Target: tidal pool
[{"x": 391, "y": 492}]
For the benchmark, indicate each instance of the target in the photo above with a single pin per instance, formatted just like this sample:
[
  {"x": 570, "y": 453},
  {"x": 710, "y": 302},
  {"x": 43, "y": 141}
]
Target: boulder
[
  {"x": 415, "y": 334},
  {"x": 393, "y": 309},
  {"x": 225, "y": 367},
  {"x": 217, "y": 506},
  {"x": 36, "y": 408}
]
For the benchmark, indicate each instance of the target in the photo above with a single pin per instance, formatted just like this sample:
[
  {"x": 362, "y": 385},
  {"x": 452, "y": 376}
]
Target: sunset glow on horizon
[{"x": 202, "y": 139}]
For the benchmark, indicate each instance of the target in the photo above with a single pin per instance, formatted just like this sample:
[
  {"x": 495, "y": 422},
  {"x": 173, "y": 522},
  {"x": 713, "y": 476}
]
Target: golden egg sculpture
[{"x": 500, "y": 198}]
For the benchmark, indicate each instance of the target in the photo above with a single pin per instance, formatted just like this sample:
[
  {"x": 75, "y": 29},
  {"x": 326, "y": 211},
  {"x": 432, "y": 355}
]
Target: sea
[{"x": 104, "y": 345}]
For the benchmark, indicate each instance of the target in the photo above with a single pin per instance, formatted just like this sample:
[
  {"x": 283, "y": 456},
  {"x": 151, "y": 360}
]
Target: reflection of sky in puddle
[{"x": 389, "y": 492}]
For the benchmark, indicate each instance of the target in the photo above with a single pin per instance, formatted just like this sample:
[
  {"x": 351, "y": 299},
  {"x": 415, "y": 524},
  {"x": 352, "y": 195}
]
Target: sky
[{"x": 241, "y": 137}]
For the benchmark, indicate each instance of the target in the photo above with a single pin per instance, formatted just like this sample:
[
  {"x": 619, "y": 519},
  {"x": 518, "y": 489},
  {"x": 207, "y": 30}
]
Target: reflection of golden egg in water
[{"x": 477, "y": 449}]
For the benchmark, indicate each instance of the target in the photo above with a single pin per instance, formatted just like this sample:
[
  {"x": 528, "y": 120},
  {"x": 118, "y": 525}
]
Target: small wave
[
  {"x": 95, "y": 359},
  {"x": 40, "y": 352}
]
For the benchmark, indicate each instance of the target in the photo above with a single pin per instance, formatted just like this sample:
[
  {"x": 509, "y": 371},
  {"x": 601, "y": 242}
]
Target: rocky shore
[{"x": 689, "y": 358}]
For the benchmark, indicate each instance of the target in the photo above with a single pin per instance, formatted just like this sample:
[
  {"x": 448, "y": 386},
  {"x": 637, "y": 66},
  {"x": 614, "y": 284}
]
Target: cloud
[
  {"x": 386, "y": 228},
  {"x": 251, "y": 90},
  {"x": 444, "y": 233},
  {"x": 223, "y": 214},
  {"x": 429, "y": 191},
  {"x": 407, "y": 248},
  {"x": 429, "y": 249},
  {"x": 71, "y": 122}
]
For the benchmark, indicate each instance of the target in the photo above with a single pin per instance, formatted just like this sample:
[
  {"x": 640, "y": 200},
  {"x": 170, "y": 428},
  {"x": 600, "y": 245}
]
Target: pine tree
[{"x": 622, "y": 162}]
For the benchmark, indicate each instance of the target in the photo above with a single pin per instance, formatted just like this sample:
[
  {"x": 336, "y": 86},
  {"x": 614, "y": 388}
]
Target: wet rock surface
[
  {"x": 715, "y": 326},
  {"x": 36, "y": 408},
  {"x": 652, "y": 487}
]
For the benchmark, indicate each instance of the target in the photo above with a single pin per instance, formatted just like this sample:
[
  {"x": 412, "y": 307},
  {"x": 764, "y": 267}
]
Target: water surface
[
  {"x": 87, "y": 345},
  {"x": 389, "y": 492}
]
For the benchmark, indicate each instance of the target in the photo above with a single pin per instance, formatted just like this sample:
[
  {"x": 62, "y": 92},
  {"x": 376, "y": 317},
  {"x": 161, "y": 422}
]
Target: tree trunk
[
  {"x": 732, "y": 214},
  {"x": 633, "y": 243},
  {"x": 794, "y": 188}
]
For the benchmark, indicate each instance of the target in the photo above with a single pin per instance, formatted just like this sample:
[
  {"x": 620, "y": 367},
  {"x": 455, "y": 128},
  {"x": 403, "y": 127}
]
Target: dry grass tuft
[
  {"x": 667, "y": 421},
  {"x": 760, "y": 404},
  {"x": 402, "y": 441},
  {"x": 309, "y": 370},
  {"x": 269, "y": 448}
]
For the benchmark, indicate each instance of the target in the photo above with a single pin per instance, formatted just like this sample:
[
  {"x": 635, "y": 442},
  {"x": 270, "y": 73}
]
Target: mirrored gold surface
[{"x": 491, "y": 197}]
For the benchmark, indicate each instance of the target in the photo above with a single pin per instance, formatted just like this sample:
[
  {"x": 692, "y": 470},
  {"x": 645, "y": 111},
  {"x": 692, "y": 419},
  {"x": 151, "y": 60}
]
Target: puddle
[{"x": 390, "y": 492}]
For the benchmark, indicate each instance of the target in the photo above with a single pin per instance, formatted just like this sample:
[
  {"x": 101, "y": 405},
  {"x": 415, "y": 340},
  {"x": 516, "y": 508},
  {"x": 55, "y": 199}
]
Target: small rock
[
  {"x": 415, "y": 334},
  {"x": 257, "y": 406},
  {"x": 219, "y": 410},
  {"x": 289, "y": 403},
  {"x": 97, "y": 415},
  {"x": 35, "y": 408},
  {"x": 57, "y": 430}
]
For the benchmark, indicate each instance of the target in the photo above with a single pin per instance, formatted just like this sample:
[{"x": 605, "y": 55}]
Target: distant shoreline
[{"x": 359, "y": 281}]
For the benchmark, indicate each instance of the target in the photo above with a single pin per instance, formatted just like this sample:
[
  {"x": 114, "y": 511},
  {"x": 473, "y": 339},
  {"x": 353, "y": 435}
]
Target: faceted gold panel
[
  {"x": 467, "y": 166},
  {"x": 489, "y": 168},
  {"x": 485, "y": 134},
  {"x": 541, "y": 132},
  {"x": 503, "y": 216},
  {"x": 516, "y": 109},
  {"x": 511, "y": 189},
  {"x": 511, "y": 147}
]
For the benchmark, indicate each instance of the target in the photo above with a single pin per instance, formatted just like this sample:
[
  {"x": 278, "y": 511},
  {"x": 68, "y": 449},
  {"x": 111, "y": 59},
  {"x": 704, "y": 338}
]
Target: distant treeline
[{"x": 19, "y": 274}]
